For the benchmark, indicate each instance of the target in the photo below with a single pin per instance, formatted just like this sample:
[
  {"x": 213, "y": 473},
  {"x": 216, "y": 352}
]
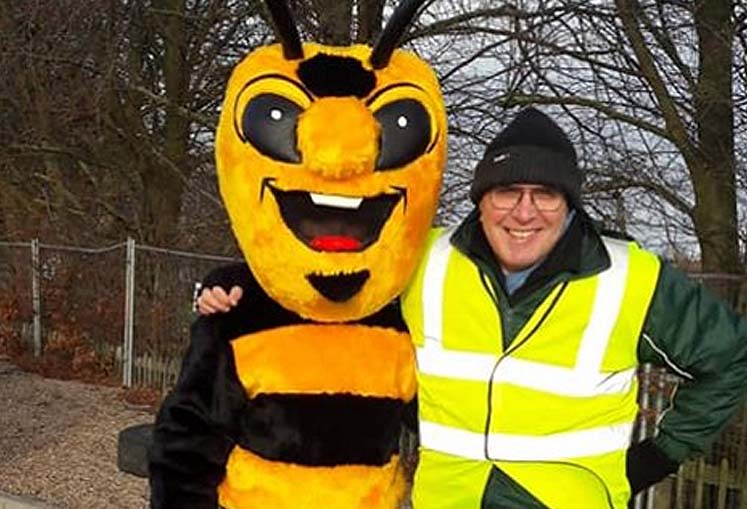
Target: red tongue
[{"x": 335, "y": 243}]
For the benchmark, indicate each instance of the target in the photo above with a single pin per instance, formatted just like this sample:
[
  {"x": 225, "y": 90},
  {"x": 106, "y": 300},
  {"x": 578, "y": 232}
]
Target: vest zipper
[{"x": 514, "y": 346}]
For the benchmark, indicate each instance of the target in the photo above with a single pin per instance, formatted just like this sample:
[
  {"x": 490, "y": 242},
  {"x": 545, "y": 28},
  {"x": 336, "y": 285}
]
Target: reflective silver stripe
[
  {"x": 606, "y": 308},
  {"x": 563, "y": 381},
  {"x": 502, "y": 446},
  {"x": 584, "y": 380},
  {"x": 433, "y": 285},
  {"x": 434, "y": 360}
]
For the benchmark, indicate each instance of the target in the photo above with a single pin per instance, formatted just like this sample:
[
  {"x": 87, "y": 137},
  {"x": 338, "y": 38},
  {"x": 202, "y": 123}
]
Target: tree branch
[
  {"x": 675, "y": 125},
  {"x": 520, "y": 100},
  {"x": 205, "y": 120}
]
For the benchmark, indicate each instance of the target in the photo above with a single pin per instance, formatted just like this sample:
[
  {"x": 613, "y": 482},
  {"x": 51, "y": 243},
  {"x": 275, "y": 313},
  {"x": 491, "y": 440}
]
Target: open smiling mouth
[{"x": 335, "y": 223}]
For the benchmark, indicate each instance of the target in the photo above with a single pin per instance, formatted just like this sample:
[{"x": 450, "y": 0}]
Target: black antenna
[
  {"x": 285, "y": 29},
  {"x": 393, "y": 32}
]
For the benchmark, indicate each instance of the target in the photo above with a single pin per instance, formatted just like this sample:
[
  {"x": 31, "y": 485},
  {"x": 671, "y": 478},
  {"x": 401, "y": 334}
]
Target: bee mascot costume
[{"x": 329, "y": 162}]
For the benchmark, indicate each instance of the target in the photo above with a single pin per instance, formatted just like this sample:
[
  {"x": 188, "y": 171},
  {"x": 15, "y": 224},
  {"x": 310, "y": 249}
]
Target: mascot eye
[
  {"x": 405, "y": 133},
  {"x": 269, "y": 123}
]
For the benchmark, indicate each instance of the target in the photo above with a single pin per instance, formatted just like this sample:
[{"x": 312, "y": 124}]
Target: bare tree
[
  {"x": 652, "y": 90},
  {"x": 107, "y": 113},
  {"x": 111, "y": 112}
]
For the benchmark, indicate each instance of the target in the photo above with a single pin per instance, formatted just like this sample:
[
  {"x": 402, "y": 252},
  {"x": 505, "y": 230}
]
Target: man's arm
[
  {"x": 693, "y": 334},
  {"x": 196, "y": 423}
]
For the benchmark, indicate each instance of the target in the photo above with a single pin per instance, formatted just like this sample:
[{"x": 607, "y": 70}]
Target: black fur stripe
[{"x": 322, "y": 430}]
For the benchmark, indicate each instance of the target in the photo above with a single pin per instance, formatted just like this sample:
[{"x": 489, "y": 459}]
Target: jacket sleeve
[
  {"x": 196, "y": 423},
  {"x": 693, "y": 334}
]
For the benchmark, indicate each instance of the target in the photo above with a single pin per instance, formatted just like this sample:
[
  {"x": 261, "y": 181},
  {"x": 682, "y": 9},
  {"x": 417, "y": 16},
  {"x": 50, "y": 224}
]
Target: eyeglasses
[{"x": 543, "y": 198}]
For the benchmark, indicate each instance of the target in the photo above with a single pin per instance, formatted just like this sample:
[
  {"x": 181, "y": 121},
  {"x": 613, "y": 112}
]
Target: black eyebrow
[
  {"x": 282, "y": 77},
  {"x": 389, "y": 87}
]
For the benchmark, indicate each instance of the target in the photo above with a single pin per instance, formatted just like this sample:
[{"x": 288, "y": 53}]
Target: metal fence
[{"x": 125, "y": 311}]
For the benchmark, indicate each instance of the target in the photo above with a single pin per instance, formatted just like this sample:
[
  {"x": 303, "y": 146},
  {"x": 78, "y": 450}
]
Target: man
[{"x": 529, "y": 325}]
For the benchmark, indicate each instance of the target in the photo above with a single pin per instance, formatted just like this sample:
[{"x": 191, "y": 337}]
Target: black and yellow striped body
[
  {"x": 322, "y": 406},
  {"x": 323, "y": 420}
]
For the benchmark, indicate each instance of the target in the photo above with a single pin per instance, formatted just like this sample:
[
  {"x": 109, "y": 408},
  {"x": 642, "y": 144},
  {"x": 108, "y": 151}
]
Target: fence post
[
  {"x": 129, "y": 313},
  {"x": 36, "y": 297},
  {"x": 644, "y": 405},
  {"x": 659, "y": 409}
]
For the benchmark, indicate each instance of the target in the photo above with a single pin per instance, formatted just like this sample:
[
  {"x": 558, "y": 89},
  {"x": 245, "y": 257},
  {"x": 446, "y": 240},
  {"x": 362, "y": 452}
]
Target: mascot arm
[
  {"x": 196, "y": 424},
  {"x": 410, "y": 416},
  {"x": 226, "y": 276}
]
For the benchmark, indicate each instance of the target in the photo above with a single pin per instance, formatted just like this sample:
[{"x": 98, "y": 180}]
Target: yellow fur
[
  {"x": 252, "y": 482},
  {"x": 338, "y": 158},
  {"x": 317, "y": 359},
  {"x": 340, "y": 153}
]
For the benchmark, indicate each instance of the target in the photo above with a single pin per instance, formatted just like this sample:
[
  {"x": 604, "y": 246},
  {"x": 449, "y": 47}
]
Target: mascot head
[{"x": 329, "y": 163}]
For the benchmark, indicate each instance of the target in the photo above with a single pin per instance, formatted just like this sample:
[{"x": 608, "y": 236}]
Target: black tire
[{"x": 132, "y": 449}]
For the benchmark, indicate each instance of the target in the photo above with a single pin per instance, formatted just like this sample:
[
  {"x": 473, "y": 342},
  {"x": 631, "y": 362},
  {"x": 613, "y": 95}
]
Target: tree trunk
[
  {"x": 714, "y": 173},
  {"x": 164, "y": 181},
  {"x": 335, "y": 20},
  {"x": 710, "y": 156},
  {"x": 370, "y": 14}
]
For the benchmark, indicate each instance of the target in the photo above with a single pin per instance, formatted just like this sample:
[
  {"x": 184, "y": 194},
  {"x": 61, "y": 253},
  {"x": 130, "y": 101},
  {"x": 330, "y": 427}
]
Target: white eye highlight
[
  {"x": 402, "y": 121},
  {"x": 333, "y": 200},
  {"x": 276, "y": 113}
]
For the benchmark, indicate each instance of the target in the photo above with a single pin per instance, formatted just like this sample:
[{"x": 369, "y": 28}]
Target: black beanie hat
[{"x": 532, "y": 149}]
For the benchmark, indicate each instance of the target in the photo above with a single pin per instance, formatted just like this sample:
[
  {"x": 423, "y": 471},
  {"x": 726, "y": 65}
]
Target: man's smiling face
[{"x": 522, "y": 235}]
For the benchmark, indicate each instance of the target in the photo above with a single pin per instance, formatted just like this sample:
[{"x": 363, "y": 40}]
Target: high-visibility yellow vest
[{"x": 555, "y": 411}]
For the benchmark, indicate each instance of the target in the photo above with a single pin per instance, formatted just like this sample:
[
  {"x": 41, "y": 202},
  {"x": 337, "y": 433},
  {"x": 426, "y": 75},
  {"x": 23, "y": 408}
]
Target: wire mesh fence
[
  {"x": 122, "y": 314},
  {"x": 16, "y": 296},
  {"x": 164, "y": 282},
  {"x": 717, "y": 480}
]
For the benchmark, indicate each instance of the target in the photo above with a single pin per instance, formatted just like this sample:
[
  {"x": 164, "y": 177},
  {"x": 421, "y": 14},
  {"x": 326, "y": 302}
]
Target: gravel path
[{"x": 58, "y": 442}]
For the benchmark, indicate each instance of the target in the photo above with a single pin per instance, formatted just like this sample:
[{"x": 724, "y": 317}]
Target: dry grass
[{"x": 58, "y": 442}]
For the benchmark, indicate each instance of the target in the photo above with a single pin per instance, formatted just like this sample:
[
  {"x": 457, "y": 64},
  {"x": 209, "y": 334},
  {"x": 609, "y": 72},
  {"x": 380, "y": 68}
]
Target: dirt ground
[{"x": 58, "y": 442}]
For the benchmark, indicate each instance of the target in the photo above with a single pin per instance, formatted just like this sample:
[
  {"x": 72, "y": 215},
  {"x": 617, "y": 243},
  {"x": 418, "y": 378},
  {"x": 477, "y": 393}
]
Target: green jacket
[{"x": 688, "y": 330}]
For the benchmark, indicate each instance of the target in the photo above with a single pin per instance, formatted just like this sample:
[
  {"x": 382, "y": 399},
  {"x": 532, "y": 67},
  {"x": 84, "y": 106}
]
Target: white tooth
[
  {"x": 333, "y": 200},
  {"x": 520, "y": 233}
]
